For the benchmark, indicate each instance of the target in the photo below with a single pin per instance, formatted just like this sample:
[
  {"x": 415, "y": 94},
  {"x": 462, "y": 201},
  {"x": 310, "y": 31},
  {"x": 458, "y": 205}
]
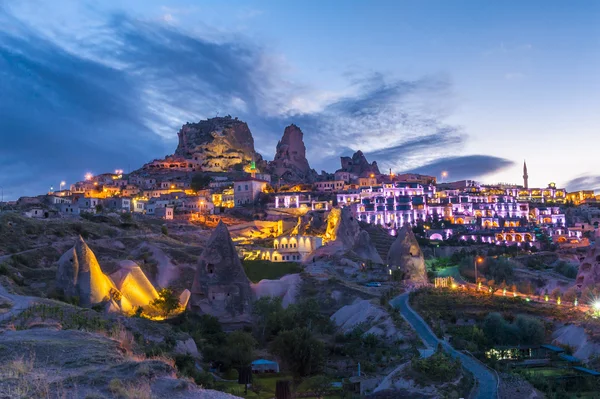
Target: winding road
[{"x": 487, "y": 387}]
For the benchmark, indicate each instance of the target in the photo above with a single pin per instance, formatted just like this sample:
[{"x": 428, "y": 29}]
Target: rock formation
[
  {"x": 358, "y": 165},
  {"x": 218, "y": 144},
  {"x": 79, "y": 275},
  {"x": 290, "y": 161},
  {"x": 344, "y": 229},
  {"x": 406, "y": 256},
  {"x": 136, "y": 290},
  {"x": 221, "y": 287},
  {"x": 588, "y": 275}
]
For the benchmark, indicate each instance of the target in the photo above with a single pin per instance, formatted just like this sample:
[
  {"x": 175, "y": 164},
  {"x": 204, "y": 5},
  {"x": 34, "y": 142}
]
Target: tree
[
  {"x": 200, "y": 181},
  {"x": 166, "y": 302},
  {"x": 319, "y": 385},
  {"x": 301, "y": 353},
  {"x": 240, "y": 348},
  {"x": 267, "y": 309}
]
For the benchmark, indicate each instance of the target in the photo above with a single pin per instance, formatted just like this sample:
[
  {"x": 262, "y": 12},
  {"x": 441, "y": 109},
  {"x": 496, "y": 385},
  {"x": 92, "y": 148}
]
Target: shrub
[{"x": 438, "y": 367}]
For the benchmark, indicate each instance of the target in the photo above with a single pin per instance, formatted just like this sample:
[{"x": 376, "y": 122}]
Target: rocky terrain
[
  {"x": 218, "y": 144},
  {"x": 406, "y": 257},
  {"x": 358, "y": 165},
  {"x": 290, "y": 163}
]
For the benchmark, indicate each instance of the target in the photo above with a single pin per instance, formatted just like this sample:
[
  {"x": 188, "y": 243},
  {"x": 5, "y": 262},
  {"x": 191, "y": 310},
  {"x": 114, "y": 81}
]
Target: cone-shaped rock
[
  {"x": 80, "y": 275},
  {"x": 344, "y": 228},
  {"x": 406, "y": 256},
  {"x": 221, "y": 287},
  {"x": 134, "y": 286}
]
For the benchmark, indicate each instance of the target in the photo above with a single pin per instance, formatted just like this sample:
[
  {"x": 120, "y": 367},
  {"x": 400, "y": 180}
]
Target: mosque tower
[{"x": 525, "y": 176}]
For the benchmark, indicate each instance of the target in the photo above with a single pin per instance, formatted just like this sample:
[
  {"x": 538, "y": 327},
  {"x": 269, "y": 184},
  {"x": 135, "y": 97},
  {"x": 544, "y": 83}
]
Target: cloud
[
  {"x": 584, "y": 183},
  {"x": 464, "y": 167},
  {"x": 115, "y": 95}
]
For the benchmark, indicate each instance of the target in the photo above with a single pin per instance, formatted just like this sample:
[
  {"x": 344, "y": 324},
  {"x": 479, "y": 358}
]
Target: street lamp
[
  {"x": 478, "y": 259},
  {"x": 62, "y": 183},
  {"x": 444, "y": 175}
]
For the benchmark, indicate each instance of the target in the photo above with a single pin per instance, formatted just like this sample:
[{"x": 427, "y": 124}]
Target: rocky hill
[
  {"x": 358, "y": 165},
  {"x": 218, "y": 144},
  {"x": 290, "y": 161}
]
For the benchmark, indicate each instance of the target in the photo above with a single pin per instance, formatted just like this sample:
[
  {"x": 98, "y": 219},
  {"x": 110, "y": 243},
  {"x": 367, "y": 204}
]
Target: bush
[
  {"x": 164, "y": 230},
  {"x": 439, "y": 367},
  {"x": 524, "y": 330}
]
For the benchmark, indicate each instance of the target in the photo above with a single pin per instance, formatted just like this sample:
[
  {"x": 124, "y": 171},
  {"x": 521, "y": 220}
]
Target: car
[{"x": 373, "y": 284}]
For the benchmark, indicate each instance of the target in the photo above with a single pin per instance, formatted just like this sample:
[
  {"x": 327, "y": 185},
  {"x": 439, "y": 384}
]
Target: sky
[{"x": 468, "y": 87}]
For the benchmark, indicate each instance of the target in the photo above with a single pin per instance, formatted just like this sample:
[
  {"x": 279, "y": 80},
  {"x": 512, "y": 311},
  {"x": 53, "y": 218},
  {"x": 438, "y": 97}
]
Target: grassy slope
[{"x": 257, "y": 270}]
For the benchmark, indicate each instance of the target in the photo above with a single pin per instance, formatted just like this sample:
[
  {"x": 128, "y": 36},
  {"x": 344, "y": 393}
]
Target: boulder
[
  {"x": 221, "y": 287},
  {"x": 290, "y": 161},
  {"x": 405, "y": 255},
  {"x": 79, "y": 275}
]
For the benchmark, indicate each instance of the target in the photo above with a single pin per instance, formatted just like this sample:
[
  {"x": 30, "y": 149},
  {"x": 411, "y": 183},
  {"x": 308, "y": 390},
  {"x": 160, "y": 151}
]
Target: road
[
  {"x": 487, "y": 387},
  {"x": 20, "y": 303}
]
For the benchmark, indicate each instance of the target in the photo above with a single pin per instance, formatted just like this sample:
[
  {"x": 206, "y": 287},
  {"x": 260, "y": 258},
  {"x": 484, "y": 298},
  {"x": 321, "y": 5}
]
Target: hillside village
[{"x": 215, "y": 273}]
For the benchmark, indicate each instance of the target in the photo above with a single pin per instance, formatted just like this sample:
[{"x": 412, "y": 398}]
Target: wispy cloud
[
  {"x": 587, "y": 182},
  {"x": 115, "y": 95},
  {"x": 464, "y": 167}
]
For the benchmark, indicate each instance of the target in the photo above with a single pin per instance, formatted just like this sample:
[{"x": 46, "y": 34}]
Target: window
[{"x": 246, "y": 187}]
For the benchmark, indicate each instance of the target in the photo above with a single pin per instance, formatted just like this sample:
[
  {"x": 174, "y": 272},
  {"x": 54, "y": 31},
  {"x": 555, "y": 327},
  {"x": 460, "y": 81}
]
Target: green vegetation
[
  {"x": 167, "y": 302},
  {"x": 523, "y": 330},
  {"x": 257, "y": 270},
  {"x": 497, "y": 269},
  {"x": 300, "y": 352},
  {"x": 438, "y": 368}
]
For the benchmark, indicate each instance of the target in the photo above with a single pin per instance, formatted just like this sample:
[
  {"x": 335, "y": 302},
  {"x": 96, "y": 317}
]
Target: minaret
[{"x": 525, "y": 176}]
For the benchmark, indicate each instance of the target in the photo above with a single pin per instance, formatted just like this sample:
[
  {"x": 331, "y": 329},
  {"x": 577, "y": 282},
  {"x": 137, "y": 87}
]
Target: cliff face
[
  {"x": 290, "y": 161},
  {"x": 358, "y": 165},
  {"x": 218, "y": 144}
]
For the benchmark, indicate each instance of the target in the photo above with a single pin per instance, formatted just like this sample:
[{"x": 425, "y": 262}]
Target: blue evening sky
[{"x": 470, "y": 87}]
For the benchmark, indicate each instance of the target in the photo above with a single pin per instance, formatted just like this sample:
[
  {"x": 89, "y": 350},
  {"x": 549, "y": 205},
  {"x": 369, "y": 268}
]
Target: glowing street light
[
  {"x": 62, "y": 183},
  {"x": 596, "y": 305},
  {"x": 88, "y": 176},
  {"x": 478, "y": 259},
  {"x": 444, "y": 175}
]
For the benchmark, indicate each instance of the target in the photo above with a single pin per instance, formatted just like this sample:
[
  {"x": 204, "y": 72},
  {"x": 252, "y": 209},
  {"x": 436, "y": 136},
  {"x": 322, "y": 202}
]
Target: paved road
[{"x": 487, "y": 384}]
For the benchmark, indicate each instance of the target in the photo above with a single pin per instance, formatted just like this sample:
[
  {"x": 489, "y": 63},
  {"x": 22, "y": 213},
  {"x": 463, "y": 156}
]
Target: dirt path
[{"x": 20, "y": 303}]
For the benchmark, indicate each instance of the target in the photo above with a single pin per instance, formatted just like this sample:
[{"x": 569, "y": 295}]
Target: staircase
[{"x": 380, "y": 238}]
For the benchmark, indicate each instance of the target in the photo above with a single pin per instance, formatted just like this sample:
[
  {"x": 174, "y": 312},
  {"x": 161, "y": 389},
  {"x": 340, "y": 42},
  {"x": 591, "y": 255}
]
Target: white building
[
  {"x": 246, "y": 191},
  {"x": 327, "y": 186},
  {"x": 291, "y": 248}
]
